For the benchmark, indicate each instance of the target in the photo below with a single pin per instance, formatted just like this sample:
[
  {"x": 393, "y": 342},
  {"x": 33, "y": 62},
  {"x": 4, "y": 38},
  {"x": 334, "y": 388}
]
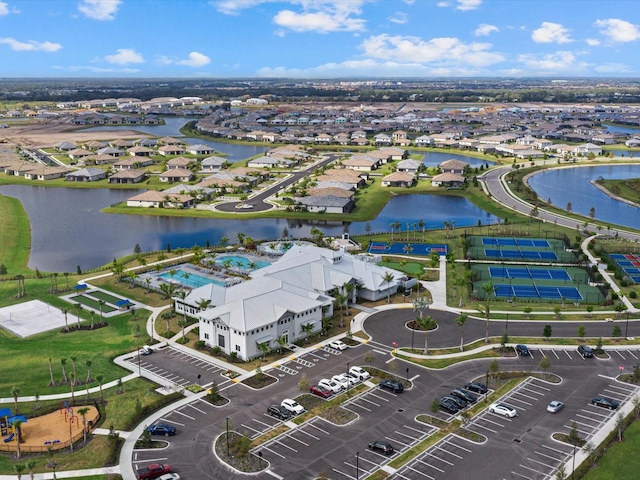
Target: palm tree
[
  {"x": 182, "y": 324},
  {"x": 392, "y": 227},
  {"x": 147, "y": 282},
  {"x": 19, "y": 468},
  {"x": 99, "y": 379},
  {"x": 31, "y": 465},
  {"x": 73, "y": 389},
  {"x": 306, "y": 328},
  {"x": 460, "y": 321},
  {"x": 66, "y": 323},
  {"x": 340, "y": 301},
  {"x": 78, "y": 308},
  {"x": 100, "y": 306},
  {"x": 223, "y": 242},
  {"x": 421, "y": 224},
  {"x": 15, "y": 392},
  {"x": 388, "y": 276},
  {"x": 52, "y": 381},
  {"x": 63, "y": 362},
  {"x": 75, "y": 372},
  {"x": 17, "y": 426},
  {"x": 92, "y": 313},
  {"x": 83, "y": 412},
  {"x": 203, "y": 303},
  {"x": 488, "y": 290},
  {"x": 282, "y": 342},
  {"x": 349, "y": 288},
  {"x": 264, "y": 349},
  {"x": 89, "y": 376},
  {"x": 426, "y": 323}
]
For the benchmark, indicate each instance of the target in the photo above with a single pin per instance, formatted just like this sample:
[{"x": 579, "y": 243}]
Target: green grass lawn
[
  {"x": 410, "y": 267},
  {"x": 621, "y": 461},
  {"x": 15, "y": 236},
  {"x": 105, "y": 297},
  {"x": 90, "y": 302}
]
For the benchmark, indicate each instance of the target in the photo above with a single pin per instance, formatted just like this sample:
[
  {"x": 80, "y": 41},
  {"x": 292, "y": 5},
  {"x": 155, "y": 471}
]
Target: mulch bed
[{"x": 259, "y": 381}]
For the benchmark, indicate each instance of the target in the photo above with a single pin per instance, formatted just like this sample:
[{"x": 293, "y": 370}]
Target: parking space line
[
  {"x": 546, "y": 456},
  {"x": 342, "y": 473},
  {"x": 397, "y": 441},
  {"x": 420, "y": 460},
  {"x": 585, "y": 424},
  {"x": 438, "y": 458},
  {"x": 184, "y": 414},
  {"x": 297, "y": 440},
  {"x": 360, "y": 406},
  {"x": 422, "y": 473},
  {"x": 379, "y": 394},
  {"x": 565, "y": 351},
  {"x": 587, "y": 418},
  {"x": 555, "y": 450},
  {"x": 172, "y": 421},
  {"x": 285, "y": 445},
  {"x": 317, "y": 428},
  {"x": 457, "y": 446},
  {"x": 520, "y": 475},
  {"x": 402, "y": 476},
  {"x": 369, "y": 401},
  {"x": 531, "y": 390},
  {"x": 596, "y": 413},
  {"x": 364, "y": 459},
  {"x": 625, "y": 388},
  {"x": 190, "y": 405},
  {"x": 533, "y": 470},
  {"x": 416, "y": 430},
  {"x": 541, "y": 463},
  {"x": 554, "y": 352},
  {"x": 494, "y": 415},
  {"x": 482, "y": 426},
  {"x": 538, "y": 386},
  {"x": 405, "y": 435},
  {"x": 266, "y": 448},
  {"x": 302, "y": 430},
  {"x": 632, "y": 354},
  {"x": 314, "y": 355},
  {"x": 513, "y": 399},
  {"x": 249, "y": 428},
  {"x": 263, "y": 423},
  {"x": 446, "y": 451},
  {"x": 160, "y": 459}
]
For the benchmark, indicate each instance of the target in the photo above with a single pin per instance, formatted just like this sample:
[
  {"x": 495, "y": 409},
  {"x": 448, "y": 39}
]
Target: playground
[
  {"x": 400, "y": 248},
  {"x": 54, "y": 430}
]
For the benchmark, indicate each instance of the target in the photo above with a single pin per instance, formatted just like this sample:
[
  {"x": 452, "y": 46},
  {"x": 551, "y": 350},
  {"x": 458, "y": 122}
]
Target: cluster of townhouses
[{"x": 289, "y": 299}]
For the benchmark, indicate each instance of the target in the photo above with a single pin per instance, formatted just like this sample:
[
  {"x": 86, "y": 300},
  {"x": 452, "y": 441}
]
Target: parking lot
[
  {"x": 294, "y": 364},
  {"x": 177, "y": 367}
]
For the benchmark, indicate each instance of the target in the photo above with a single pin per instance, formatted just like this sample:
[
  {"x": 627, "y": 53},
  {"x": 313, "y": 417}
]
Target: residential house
[
  {"x": 168, "y": 150},
  {"x": 86, "y": 175},
  {"x": 398, "y": 179},
  {"x": 453, "y": 166},
  {"x": 156, "y": 199},
  {"x": 179, "y": 162},
  {"x": 327, "y": 204},
  {"x": 176, "y": 175},
  {"x": 212, "y": 164},
  {"x": 128, "y": 176},
  {"x": 200, "y": 150},
  {"x": 449, "y": 180},
  {"x": 140, "y": 151},
  {"x": 132, "y": 163},
  {"x": 409, "y": 165}
]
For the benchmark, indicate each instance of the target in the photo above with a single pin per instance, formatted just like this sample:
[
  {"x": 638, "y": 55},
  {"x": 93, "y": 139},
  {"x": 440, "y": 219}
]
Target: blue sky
[{"x": 320, "y": 38}]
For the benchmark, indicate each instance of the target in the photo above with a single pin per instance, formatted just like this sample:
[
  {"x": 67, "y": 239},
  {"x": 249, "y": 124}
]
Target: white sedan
[
  {"x": 341, "y": 380},
  {"x": 338, "y": 345},
  {"x": 293, "y": 406},
  {"x": 503, "y": 409},
  {"x": 360, "y": 373}
]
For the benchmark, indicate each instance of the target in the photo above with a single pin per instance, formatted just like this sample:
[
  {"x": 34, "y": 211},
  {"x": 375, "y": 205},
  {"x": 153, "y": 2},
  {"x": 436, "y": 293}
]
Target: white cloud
[
  {"x": 30, "y": 45},
  {"x": 79, "y": 68},
  {"x": 399, "y": 18},
  {"x": 4, "y": 9},
  {"x": 124, "y": 56},
  {"x": 593, "y": 42},
  {"x": 414, "y": 49},
  {"x": 551, "y": 33},
  {"x": 409, "y": 2},
  {"x": 196, "y": 59},
  {"x": 323, "y": 16},
  {"x": 443, "y": 4},
  {"x": 618, "y": 31},
  {"x": 100, "y": 9},
  {"x": 485, "y": 29},
  {"x": 612, "y": 68},
  {"x": 233, "y": 7},
  {"x": 468, "y": 4},
  {"x": 561, "y": 61}
]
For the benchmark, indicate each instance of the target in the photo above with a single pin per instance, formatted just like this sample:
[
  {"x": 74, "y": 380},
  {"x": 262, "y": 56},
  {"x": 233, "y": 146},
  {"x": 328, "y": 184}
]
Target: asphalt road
[
  {"x": 258, "y": 201},
  {"x": 497, "y": 189}
]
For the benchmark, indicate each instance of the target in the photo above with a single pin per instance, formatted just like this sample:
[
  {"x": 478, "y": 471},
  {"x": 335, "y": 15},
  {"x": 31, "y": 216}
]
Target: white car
[
  {"x": 169, "y": 476},
  {"x": 341, "y": 380},
  {"x": 330, "y": 385},
  {"x": 360, "y": 372},
  {"x": 293, "y": 406},
  {"x": 352, "y": 377},
  {"x": 338, "y": 345},
  {"x": 503, "y": 409}
]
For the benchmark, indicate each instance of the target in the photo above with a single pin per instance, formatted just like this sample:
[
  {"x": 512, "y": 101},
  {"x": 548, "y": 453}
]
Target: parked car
[
  {"x": 279, "y": 412},
  {"x": 503, "y": 409},
  {"x": 446, "y": 404},
  {"x": 523, "y": 350},
  {"x": 477, "y": 387},
  {"x": 162, "y": 429},
  {"x": 555, "y": 406},
  {"x": 460, "y": 402},
  {"x": 381, "y": 446},
  {"x": 585, "y": 351},
  {"x": 341, "y": 380},
  {"x": 338, "y": 345},
  {"x": 351, "y": 378},
  {"x": 331, "y": 385},
  {"x": 154, "y": 471},
  {"x": 146, "y": 350},
  {"x": 605, "y": 402},
  {"x": 294, "y": 407},
  {"x": 360, "y": 372},
  {"x": 170, "y": 476},
  {"x": 465, "y": 395},
  {"x": 320, "y": 391},
  {"x": 393, "y": 385}
]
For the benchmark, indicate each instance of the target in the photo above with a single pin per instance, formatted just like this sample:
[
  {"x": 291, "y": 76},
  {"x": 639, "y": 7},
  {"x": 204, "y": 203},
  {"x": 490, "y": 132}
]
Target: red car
[
  {"x": 154, "y": 471},
  {"x": 320, "y": 391}
]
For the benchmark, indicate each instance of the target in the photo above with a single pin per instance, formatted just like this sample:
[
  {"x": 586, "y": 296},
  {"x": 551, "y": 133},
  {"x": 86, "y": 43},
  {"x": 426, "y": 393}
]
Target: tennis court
[
  {"x": 399, "y": 248},
  {"x": 516, "y": 242},
  {"x": 520, "y": 254},
  {"x": 533, "y": 273},
  {"x": 629, "y": 263},
  {"x": 538, "y": 291}
]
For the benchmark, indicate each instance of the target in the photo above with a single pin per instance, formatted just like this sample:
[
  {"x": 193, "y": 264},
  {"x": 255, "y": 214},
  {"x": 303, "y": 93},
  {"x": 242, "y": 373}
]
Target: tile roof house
[
  {"x": 156, "y": 199},
  {"x": 176, "y": 175},
  {"x": 410, "y": 165},
  {"x": 86, "y": 175},
  {"x": 212, "y": 164},
  {"x": 447, "y": 180},
  {"x": 168, "y": 150},
  {"x": 453, "y": 166},
  {"x": 127, "y": 176},
  {"x": 398, "y": 179},
  {"x": 327, "y": 204}
]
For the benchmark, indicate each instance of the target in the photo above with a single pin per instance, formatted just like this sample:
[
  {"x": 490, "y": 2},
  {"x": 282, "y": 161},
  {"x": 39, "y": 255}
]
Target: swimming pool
[
  {"x": 244, "y": 263},
  {"x": 192, "y": 280}
]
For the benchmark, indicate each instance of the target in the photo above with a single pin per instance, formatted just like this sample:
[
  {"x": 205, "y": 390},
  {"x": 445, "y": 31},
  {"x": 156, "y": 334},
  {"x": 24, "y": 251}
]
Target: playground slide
[{"x": 9, "y": 438}]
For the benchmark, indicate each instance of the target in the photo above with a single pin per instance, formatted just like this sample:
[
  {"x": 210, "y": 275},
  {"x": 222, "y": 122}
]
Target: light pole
[
  {"x": 407, "y": 374},
  {"x": 139, "y": 369},
  {"x": 228, "y": 455},
  {"x": 348, "y": 379},
  {"x": 573, "y": 467},
  {"x": 357, "y": 465},
  {"x": 626, "y": 327},
  {"x": 506, "y": 326}
]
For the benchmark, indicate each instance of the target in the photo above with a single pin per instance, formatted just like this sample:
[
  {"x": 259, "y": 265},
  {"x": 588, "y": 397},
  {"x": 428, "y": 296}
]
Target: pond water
[
  {"x": 564, "y": 185},
  {"x": 68, "y": 229}
]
